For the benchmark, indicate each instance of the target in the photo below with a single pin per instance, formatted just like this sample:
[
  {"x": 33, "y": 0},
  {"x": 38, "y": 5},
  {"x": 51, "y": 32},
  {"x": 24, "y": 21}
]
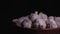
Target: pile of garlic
[{"x": 35, "y": 20}]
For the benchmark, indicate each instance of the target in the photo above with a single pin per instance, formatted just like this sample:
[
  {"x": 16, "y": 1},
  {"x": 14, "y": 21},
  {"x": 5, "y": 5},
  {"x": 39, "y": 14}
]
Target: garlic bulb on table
[
  {"x": 34, "y": 16},
  {"x": 42, "y": 19},
  {"x": 43, "y": 16},
  {"x": 57, "y": 19},
  {"x": 27, "y": 23},
  {"x": 52, "y": 22},
  {"x": 42, "y": 23},
  {"x": 36, "y": 23},
  {"x": 38, "y": 20},
  {"x": 17, "y": 22}
]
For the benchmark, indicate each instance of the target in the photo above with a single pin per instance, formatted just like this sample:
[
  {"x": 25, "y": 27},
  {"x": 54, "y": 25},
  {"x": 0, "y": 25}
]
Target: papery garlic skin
[
  {"x": 36, "y": 23},
  {"x": 17, "y": 22},
  {"x": 20, "y": 20},
  {"x": 38, "y": 20},
  {"x": 42, "y": 23},
  {"x": 52, "y": 22},
  {"x": 57, "y": 19},
  {"x": 34, "y": 16},
  {"x": 27, "y": 23},
  {"x": 43, "y": 16},
  {"x": 42, "y": 20}
]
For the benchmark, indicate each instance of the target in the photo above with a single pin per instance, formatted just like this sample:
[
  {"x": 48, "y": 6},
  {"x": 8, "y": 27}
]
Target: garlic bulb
[
  {"x": 43, "y": 16},
  {"x": 42, "y": 23},
  {"x": 34, "y": 16},
  {"x": 36, "y": 23},
  {"x": 52, "y": 22},
  {"x": 27, "y": 23},
  {"x": 57, "y": 19}
]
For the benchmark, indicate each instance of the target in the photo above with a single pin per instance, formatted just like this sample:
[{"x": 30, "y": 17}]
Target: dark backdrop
[{"x": 18, "y": 8}]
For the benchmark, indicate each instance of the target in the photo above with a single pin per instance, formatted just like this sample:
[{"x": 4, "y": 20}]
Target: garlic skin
[
  {"x": 38, "y": 20},
  {"x": 57, "y": 19},
  {"x": 34, "y": 16},
  {"x": 36, "y": 23},
  {"x": 42, "y": 20},
  {"x": 43, "y": 16},
  {"x": 42, "y": 23},
  {"x": 17, "y": 22},
  {"x": 20, "y": 20},
  {"x": 52, "y": 22},
  {"x": 27, "y": 23}
]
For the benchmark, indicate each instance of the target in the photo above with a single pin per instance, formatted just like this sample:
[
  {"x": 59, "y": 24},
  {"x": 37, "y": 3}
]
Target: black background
[{"x": 18, "y": 8}]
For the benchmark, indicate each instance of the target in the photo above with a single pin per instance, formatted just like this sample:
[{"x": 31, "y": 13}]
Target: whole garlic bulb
[
  {"x": 17, "y": 22},
  {"x": 27, "y": 23},
  {"x": 43, "y": 16},
  {"x": 42, "y": 23},
  {"x": 52, "y": 22},
  {"x": 34, "y": 16},
  {"x": 57, "y": 19}
]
